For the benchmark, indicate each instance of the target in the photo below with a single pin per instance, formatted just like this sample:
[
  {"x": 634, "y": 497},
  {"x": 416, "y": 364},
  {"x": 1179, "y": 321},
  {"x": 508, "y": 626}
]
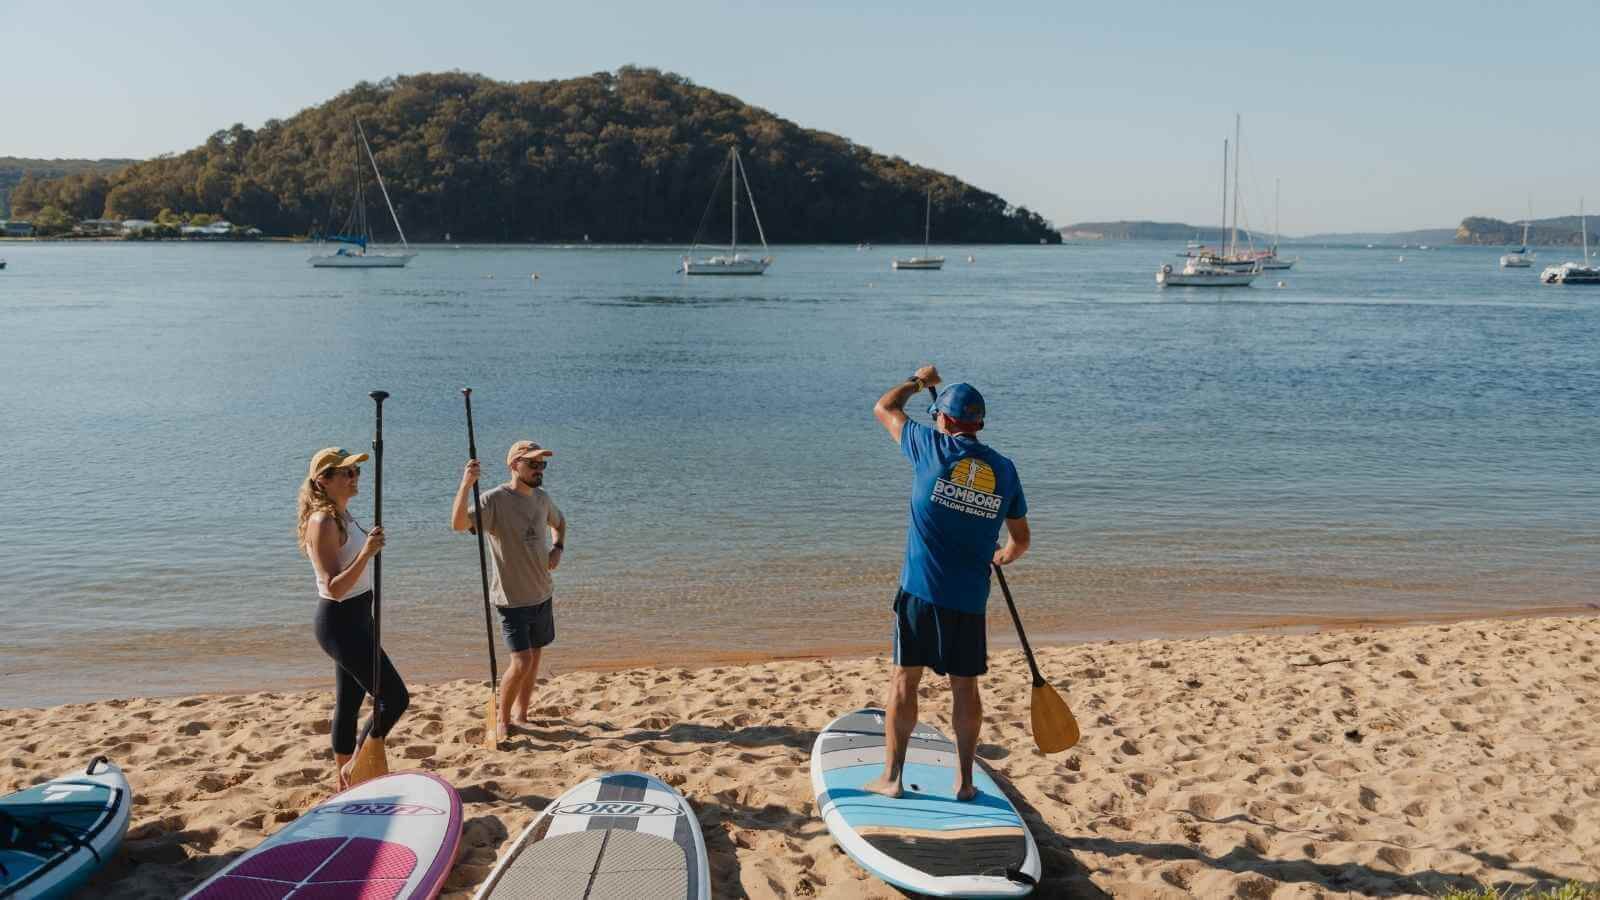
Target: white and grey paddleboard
[
  {"x": 620, "y": 836},
  {"x": 926, "y": 840}
]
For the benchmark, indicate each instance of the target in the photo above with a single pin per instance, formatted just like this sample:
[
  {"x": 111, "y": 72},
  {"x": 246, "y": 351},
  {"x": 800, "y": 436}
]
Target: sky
[{"x": 1373, "y": 116}]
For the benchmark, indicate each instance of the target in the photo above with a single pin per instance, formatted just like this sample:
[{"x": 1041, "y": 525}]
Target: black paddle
[
  {"x": 370, "y": 761},
  {"x": 490, "y": 722}
]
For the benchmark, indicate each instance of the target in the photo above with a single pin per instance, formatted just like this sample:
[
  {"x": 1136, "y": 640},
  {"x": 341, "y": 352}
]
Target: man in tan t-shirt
[{"x": 519, "y": 519}]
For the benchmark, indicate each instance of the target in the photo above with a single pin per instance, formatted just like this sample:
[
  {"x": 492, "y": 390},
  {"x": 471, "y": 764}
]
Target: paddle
[
  {"x": 1054, "y": 728},
  {"x": 370, "y": 761},
  {"x": 490, "y": 723}
]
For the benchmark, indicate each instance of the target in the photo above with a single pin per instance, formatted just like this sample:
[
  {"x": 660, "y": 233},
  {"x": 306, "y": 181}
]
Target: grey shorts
[{"x": 528, "y": 627}]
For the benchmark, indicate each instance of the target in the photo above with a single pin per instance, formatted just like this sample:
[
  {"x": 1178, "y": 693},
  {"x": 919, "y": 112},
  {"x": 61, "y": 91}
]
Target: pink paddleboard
[{"x": 392, "y": 838}]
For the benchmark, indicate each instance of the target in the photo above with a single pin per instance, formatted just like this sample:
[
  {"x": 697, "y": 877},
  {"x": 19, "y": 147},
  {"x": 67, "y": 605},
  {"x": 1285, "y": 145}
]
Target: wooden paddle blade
[
  {"x": 489, "y": 724},
  {"x": 1054, "y": 728},
  {"x": 370, "y": 761}
]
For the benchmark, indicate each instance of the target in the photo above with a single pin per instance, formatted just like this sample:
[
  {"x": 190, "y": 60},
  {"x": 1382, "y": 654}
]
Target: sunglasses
[
  {"x": 537, "y": 466},
  {"x": 348, "y": 471}
]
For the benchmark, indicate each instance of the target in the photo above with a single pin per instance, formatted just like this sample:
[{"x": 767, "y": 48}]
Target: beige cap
[{"x": 526, "y": 450}]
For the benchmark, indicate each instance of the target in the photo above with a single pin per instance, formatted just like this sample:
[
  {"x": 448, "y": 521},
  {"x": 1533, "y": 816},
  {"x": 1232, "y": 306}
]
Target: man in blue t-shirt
[{"x": 962, "y": 492}]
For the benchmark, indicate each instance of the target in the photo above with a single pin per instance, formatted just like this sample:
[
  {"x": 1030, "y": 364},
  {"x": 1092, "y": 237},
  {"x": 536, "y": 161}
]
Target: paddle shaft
[
  {"x": 377, "y": 560},
  {"x": 483, "y": 561},
  {"x": 1038, "y": 679}
]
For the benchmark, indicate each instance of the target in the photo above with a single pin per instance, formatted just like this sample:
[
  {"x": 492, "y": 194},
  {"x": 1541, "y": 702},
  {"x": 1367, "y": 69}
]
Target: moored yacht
[
  {"x": 1206, "y": 268},
  {"x": 1574, "y": 272},
  {"x": 733, "y": 262}
]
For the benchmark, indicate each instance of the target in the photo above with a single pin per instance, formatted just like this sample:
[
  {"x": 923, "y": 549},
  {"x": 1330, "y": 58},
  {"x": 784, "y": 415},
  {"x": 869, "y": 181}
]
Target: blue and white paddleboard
[
  {"x": 926, "y": 840},
  {"x": 54, "y": 835},
  {"x": 619, "y": 836}
]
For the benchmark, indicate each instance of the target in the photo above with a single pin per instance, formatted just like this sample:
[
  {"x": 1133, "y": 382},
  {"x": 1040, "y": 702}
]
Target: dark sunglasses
[
  {"x": 538, "y": 466},
  {"x": 351, "y": 471}
]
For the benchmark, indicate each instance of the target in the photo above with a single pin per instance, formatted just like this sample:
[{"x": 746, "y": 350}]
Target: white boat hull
[
  {"x": 919, "y": 263},
  {"x": 1276, "y": 265},
  {"x": 1516, "y": 261},
  {"x": 726, "y": 265},
  {"x": 1571, "y": 273},
  {"x": 1206, "y": 277},
  {"x": 361, "y": 261}
]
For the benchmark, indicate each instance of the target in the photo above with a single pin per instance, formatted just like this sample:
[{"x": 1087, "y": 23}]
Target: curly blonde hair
[{"x": 313, "y": 500}]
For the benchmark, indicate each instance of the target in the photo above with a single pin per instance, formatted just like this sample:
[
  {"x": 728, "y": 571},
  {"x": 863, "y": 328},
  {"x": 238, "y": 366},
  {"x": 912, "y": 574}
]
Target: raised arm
[{"x": 891, "y": 407}]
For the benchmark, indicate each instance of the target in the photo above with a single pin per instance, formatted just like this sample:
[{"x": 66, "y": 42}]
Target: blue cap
[{"x": 960, "y": 401}]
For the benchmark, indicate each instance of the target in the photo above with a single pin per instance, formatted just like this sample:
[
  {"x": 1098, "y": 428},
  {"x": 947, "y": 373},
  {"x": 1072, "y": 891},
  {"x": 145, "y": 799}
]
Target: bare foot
[
  {"x": 884, "y": 786},
  {"x": 344, "y": 775},
  {"x": 501, "y": 731},
  {"x": 966, "y": 793}
]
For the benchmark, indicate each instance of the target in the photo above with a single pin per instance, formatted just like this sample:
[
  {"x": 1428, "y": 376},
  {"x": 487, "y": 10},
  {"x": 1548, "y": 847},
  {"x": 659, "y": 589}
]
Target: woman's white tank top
[{"x": 347, "y": 555}]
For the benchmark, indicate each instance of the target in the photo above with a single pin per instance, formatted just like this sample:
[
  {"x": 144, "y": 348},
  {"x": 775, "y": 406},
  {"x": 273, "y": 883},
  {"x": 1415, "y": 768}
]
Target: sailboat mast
[
  {"x": 1277, "y": 215},
  {"x": 1233, "y": 239},
  {"x": 733, "y": 168},
  {"x": 1583, "y": 226},
  {"x": 927, "y": 221},
  {"x": 379, "y": 175},
  {"x": 1222, "y": 233}
]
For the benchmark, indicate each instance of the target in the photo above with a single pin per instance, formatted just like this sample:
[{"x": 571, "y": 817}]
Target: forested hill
[
  {"x": 629, "y": 156},
  {"x": 13, "y": 169},
  {"x": 1556, "y": 231}
]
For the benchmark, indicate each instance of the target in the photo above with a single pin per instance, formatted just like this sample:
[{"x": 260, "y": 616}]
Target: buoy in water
[
  {"x": 534, "y": 276},
  {"x": 1281, "y": 284},
  {"x": 971, "y": 259},
  {"x": 1400, "y": 259}
]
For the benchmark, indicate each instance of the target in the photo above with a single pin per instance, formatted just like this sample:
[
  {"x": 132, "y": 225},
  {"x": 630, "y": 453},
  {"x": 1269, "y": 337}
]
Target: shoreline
[
  {"x": 1396, "y": 761},
  {"x": 439, "y": 660}
]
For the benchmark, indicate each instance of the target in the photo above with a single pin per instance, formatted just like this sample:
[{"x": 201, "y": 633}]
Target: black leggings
[{"x": 344, "y": 629}]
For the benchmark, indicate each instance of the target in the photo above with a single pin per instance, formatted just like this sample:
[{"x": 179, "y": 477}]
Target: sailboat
[
  {"x": 1520, "y": 258},
  {"x": 356, "y": 235},
  {"x": 1571, "y": 272},
  {"x": 732, "y": 263},
  {"x": 1271, "y": 259},
  {"x": 927, "y": 261},
  {"x": 1207, "y": 269}
]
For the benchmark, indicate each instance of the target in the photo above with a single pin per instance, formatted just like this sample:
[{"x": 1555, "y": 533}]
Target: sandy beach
[{"x": 1360, "y": 762}]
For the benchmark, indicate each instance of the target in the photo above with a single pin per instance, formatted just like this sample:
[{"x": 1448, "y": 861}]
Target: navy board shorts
[
  {"x": 948, "y": 641},
  {"x": 528, "y": 627}
]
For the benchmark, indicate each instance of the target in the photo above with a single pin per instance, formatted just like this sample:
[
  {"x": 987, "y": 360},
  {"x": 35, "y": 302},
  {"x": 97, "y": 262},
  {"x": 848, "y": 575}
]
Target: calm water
[{"x": 1374, "y": 439}]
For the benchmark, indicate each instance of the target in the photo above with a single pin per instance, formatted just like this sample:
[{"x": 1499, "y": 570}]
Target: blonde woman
[{"x": 344, "y": 608}]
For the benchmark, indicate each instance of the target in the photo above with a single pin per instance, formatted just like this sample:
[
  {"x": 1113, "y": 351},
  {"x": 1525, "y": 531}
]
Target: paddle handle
[
  {"x": 377, "y": 560},
  {"x": 1038, "y": 679},
  {"x": 483, "y": 562}
]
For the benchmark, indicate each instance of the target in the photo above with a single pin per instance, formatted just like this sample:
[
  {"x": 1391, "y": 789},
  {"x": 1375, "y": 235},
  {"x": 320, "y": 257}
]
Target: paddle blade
[
  {"x": 370, "y": 761},
  {"x": 1054, "y": 728},
  {"x": 489, "y": 724}
]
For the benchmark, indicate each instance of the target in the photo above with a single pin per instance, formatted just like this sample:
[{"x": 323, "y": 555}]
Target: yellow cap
[{"x": 333, "y": 458}]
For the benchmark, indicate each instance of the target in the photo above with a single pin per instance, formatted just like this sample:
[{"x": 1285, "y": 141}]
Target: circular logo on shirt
[{"x": 973, "y": 473}]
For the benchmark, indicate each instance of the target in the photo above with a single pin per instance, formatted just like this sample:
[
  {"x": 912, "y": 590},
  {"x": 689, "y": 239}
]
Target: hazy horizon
[{"x": 1376, "y": 118}]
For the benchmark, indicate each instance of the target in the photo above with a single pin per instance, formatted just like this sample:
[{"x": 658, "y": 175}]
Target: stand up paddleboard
[
  {"x": 54, "y": 835},
  {"x": 622, "y": 836},
  {"x": 926, "y": 841},
  {"x": 394, "y": 837}
]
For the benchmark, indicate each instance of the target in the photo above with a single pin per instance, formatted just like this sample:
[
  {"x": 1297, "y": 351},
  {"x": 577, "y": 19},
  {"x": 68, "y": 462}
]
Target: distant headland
[{"x": 630, "y": 156}]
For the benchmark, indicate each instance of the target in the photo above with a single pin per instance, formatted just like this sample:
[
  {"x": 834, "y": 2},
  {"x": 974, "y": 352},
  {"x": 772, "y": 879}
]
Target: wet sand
[{"x": 1365, "y": 761}]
